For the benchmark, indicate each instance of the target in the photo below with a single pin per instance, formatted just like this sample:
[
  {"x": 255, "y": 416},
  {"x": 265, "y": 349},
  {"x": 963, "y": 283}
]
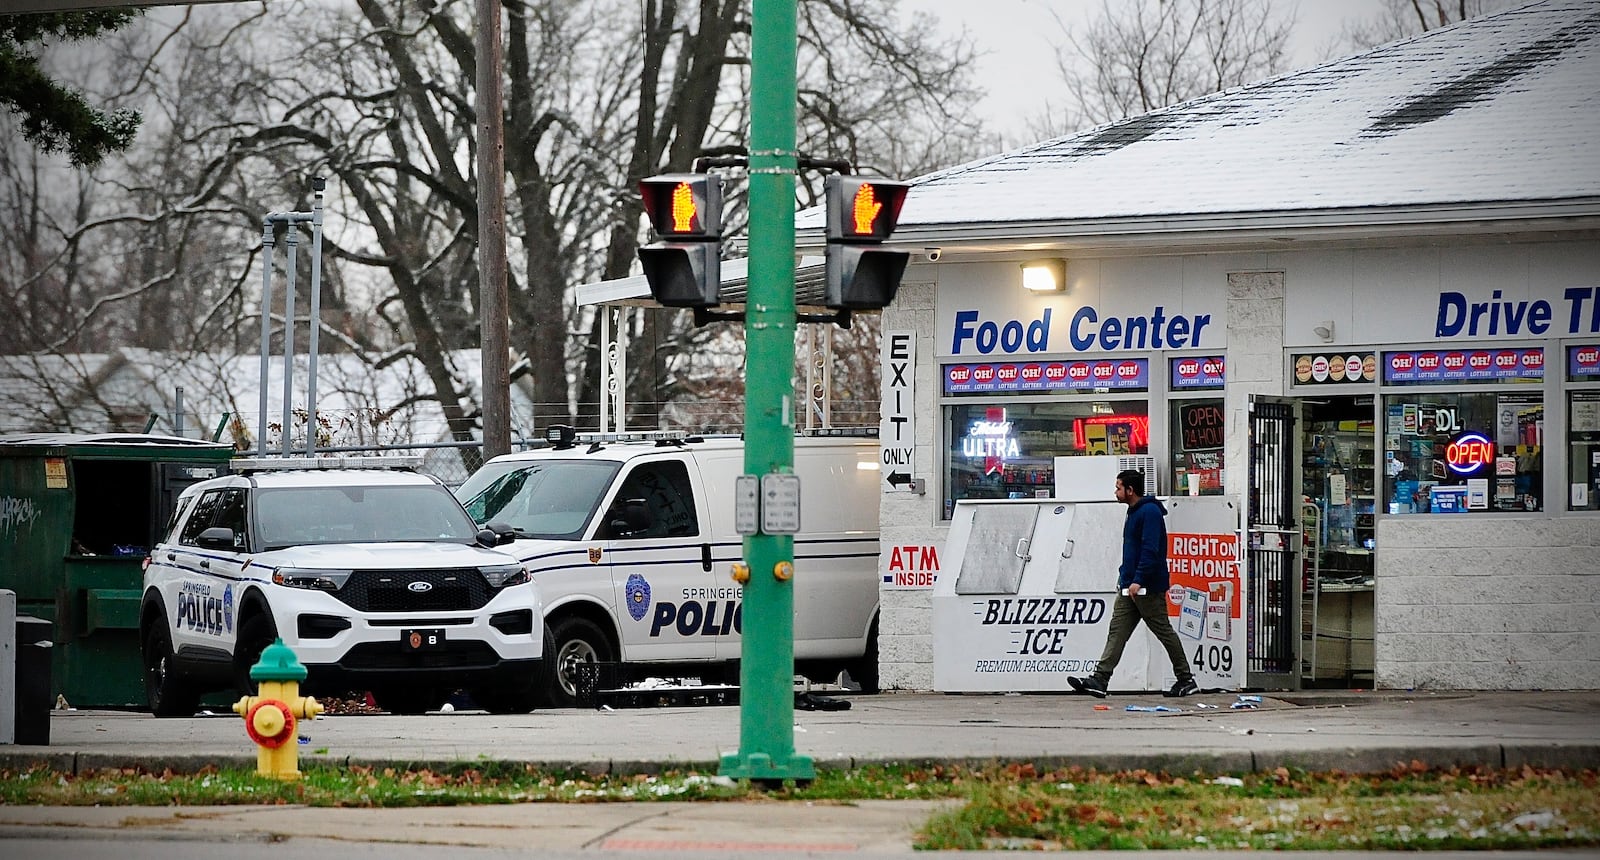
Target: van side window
[
  {"x": 200, "y": 520},
  {"x": 668, "y": 502},
  {"x": 230, "y": 514}
]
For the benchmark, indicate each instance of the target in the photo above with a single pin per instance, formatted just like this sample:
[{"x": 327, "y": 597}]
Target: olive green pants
[{"x": 1126, "y": 614}]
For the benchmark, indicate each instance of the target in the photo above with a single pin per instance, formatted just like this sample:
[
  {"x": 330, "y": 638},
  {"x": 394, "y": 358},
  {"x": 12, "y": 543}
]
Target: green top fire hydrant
[{"x": 270, "y": 717}]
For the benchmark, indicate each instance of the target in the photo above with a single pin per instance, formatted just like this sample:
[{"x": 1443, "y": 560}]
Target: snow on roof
[{"x": 1500, "y": 108}]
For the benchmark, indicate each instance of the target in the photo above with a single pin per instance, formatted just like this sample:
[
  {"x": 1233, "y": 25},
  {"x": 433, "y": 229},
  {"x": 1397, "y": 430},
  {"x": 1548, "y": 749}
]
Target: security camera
[{"x": 933, "y": 254}]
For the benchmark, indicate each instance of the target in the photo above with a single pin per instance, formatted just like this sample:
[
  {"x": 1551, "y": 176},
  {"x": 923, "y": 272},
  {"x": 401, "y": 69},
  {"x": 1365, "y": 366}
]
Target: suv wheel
[
  {"x": 570, "y": 643},
  {"x": 254, "y": 637},
  {"x": 168, "y": 696}
]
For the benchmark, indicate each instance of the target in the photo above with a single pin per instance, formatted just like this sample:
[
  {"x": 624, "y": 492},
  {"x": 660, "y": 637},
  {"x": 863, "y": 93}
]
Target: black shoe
[
  {"x": 1181, "y": 689},
  {"x": 1088, "y": 684}
]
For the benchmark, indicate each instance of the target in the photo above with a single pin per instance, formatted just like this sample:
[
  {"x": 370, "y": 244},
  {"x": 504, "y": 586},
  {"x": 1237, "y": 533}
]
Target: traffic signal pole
[{"x": 766, "y": 699}]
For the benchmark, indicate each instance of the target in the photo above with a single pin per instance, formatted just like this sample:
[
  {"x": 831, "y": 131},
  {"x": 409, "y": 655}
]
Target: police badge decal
[{"x": 637, "y": 592}]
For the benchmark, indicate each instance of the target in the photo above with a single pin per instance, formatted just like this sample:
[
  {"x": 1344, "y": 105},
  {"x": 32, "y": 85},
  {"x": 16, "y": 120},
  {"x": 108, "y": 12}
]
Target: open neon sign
[{"x": 1469, "y": 453}]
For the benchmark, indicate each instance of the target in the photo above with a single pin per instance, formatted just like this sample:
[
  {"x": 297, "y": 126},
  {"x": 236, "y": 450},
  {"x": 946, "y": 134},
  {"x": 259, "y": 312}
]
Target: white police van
[
  {"x": 630, "y": 538},
  {"x": 373, "y": 574}
]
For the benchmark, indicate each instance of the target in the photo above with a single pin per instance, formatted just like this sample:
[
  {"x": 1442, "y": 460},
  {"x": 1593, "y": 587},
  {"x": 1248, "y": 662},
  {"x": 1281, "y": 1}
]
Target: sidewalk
[
  {"x": 1347, "y": 731},
  {"x": 1317, "y": 730}
]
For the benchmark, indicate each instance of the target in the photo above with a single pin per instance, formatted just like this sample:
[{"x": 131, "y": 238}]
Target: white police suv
[{"x": 374, "y": 575}]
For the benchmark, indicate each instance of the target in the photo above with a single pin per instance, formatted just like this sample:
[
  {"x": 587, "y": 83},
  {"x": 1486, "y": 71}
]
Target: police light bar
[
  {"x": 635, "y": 436},
  {"x": 243, "y": 465},
  {"x": 853, "y": 432}
]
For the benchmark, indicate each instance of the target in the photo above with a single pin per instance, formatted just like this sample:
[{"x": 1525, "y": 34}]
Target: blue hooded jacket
[{"x": 1144, "y": 547}]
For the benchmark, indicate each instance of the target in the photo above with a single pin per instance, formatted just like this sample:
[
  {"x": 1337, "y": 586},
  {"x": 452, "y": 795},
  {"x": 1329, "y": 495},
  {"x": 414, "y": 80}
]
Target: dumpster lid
[{"x": 129, "y": 439}]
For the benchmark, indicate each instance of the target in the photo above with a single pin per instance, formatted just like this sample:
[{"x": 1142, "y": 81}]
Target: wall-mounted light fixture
[
  {"x": 1324, "y": 330},
  {"x": 1045, "y": 276}
]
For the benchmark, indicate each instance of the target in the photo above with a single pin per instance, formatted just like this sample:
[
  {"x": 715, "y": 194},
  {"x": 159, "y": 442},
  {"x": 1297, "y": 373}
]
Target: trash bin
[{"x": 33, "y": 680}]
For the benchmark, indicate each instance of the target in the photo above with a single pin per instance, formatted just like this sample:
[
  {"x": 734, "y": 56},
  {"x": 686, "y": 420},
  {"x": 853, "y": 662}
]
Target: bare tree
[
  {"x": 1401, "y": 19},
  {"x": 1140, "y": 55},
  {"x": 377, "y": 96}
]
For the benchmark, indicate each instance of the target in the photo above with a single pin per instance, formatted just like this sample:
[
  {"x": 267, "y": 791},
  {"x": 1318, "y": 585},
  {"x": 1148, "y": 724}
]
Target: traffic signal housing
[
  {"x": 862, "y": 213},
  {"x": 684, "y": 270}
]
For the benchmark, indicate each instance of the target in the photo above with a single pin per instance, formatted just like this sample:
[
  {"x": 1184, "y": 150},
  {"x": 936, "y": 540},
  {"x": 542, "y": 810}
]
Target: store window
[
  {"x": 1583, "y": 428},
  {"x": 1008, "y": 451},
  {"x": 1197, "y": 443},
  {"x": 1467, "y": 452}
]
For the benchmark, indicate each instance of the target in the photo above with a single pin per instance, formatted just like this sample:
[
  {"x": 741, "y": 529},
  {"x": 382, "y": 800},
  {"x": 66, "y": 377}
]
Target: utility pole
[
  {"x": 766, "y": 700},
  {"x": 494, "y": 306}
]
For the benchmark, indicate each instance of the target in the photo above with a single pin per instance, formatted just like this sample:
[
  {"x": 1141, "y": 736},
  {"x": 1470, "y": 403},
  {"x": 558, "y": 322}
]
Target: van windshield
[{"x": 543, "y": 498}]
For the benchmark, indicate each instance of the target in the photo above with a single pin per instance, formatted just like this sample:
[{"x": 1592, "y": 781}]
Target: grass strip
[{"x": 1005, "y": 806}]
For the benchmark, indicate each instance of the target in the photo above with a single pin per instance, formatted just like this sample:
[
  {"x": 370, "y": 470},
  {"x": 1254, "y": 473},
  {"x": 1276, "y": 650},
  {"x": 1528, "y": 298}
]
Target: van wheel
[
  {"x": 569, "y": 643},
  {"x": 864, "y": 671},
  {"x": 254, "y": 637},
  {"x": 168, "y": 696}
]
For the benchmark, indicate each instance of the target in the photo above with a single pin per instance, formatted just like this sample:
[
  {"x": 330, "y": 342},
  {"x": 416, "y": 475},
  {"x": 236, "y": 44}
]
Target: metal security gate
[{"x": 1273, "y": 534}]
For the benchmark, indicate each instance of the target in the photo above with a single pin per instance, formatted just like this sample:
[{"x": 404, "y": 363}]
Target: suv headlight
[
  {"x": 317, "y": 579},
  {"x": 504, "y": 575}
]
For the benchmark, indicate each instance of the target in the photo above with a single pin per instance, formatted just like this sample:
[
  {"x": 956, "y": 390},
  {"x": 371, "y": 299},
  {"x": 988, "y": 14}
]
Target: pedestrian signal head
[
  {"x": 862, "y": 209},
  {"x": 684, "y": 205}
]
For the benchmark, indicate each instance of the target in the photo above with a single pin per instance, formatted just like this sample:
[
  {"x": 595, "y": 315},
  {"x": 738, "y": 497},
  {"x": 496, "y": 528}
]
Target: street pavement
[{"x": 1350, "y": 731}]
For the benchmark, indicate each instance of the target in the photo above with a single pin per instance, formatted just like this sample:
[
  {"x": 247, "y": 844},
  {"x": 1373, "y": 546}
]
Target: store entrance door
[
  {"x": 1273, "y": 541},
  {"x": 1339, "y": 451}
]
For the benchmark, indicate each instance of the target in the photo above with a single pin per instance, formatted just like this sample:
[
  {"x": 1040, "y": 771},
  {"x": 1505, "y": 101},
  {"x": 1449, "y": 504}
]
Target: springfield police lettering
[
  {"x": 199, "y": 610},
  {"x": 696, "y": 618},
  {"x": 1156, "y": 330}
]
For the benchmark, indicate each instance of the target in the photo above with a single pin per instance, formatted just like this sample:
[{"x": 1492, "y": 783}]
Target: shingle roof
[{"x": 1504, "y": 108}]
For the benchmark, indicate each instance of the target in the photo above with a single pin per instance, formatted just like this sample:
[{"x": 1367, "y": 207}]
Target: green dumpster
[{"x": 78, "y": 515}]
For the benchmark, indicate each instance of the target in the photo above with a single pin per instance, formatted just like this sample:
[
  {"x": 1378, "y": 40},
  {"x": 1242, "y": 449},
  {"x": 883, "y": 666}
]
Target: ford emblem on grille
[{"x": 420, "y": 587}]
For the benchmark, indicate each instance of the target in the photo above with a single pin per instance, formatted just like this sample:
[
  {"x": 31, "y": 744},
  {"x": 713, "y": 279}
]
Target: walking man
[{"x": 1141, "y": 590}]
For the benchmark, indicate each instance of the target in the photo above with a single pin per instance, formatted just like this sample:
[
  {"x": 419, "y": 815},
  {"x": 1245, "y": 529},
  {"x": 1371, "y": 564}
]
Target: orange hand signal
[
  {"x": 866, "y": 209},
  {"x": 683, "y": 209}
]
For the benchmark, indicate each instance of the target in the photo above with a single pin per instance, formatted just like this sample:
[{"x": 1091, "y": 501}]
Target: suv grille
[{"x": 390, "y": 590}]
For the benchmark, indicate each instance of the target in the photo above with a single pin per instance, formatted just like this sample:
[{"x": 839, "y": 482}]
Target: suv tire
[
  {"x": 570, "y": 642},
  {"x": 255, "y": 634},
  {"x": 167, "y": 694}
]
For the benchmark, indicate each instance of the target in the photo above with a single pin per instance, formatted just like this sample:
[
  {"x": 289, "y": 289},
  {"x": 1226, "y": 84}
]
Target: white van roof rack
[{"x": 246, "y": 465}]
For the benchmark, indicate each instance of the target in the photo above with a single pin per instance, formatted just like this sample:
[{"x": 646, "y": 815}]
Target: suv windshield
[
  {"x": 544, "y": 498},
  {"x": 295, "y": 516}
]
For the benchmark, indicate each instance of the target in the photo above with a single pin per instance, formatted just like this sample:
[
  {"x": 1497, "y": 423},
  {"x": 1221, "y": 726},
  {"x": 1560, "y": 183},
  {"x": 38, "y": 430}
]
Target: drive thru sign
[{"x": 897, "y": 432}]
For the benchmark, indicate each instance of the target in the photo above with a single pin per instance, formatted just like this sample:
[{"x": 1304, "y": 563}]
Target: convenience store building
[{"x": 1361, "y": 300}]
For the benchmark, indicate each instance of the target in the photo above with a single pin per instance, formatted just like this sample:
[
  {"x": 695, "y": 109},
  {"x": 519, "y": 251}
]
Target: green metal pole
[{"x": 766, "y": 699}]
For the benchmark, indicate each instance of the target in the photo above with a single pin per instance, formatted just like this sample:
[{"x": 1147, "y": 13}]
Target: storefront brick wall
[
  {"x": 905, "y": 621},
  {"x": 1518, "y": 609}
]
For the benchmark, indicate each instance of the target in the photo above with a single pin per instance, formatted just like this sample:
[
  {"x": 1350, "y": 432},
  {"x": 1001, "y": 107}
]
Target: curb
[{"x": 1347, "y": 759}]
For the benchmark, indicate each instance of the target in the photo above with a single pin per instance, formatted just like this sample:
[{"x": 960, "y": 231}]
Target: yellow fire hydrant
[{"x": 270, "y": 718}]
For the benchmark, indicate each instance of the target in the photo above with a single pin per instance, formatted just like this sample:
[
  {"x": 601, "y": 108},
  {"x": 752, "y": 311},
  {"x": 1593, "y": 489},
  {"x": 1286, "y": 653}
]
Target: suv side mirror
[
  {"x": 216, "y": 537},
  {"x": 496, "y": 534}
]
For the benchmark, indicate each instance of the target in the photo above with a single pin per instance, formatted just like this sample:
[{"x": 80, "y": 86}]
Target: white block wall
[
  {"x": 1488, "y": 603},
  {"x": 905, "y": 620}
]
